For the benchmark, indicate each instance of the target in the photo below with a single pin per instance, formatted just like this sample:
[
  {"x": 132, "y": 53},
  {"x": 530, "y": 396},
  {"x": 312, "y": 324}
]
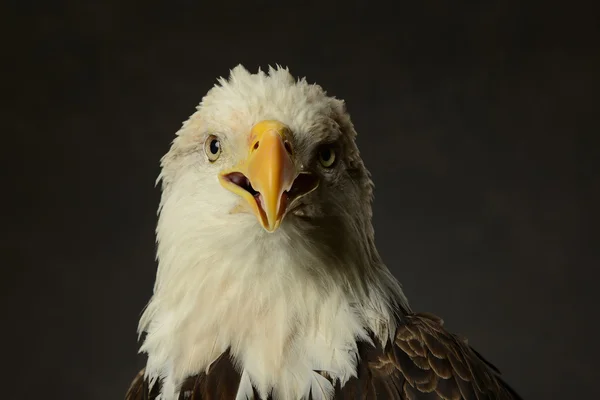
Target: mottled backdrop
[{"x": 476, "y": 120}]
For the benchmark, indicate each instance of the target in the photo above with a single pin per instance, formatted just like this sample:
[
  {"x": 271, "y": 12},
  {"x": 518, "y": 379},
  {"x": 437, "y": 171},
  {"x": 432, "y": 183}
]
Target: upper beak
[{"x": 266, "y": 177}]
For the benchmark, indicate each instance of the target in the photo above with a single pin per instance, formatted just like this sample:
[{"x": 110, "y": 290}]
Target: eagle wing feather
[{"x": 424, "y": 362}]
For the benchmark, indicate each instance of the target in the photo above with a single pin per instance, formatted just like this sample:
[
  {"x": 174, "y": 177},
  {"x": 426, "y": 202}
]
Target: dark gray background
[{"x": 476, "y": 120}]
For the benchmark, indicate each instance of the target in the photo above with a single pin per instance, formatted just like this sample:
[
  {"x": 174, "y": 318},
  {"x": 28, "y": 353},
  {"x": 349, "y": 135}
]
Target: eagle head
[{"x": 266, "y": 158}]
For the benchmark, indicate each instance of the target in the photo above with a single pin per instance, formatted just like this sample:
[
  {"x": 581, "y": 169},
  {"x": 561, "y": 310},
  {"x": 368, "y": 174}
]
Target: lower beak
[{"x": 266, "y": 177}]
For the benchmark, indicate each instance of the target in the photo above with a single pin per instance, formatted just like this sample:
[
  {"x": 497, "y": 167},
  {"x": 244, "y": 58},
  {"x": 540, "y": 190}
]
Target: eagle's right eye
[{"x": 212, "y": 148}]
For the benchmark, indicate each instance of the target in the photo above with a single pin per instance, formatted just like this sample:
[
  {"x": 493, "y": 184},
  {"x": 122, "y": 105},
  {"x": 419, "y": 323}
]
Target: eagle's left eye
[
  {"x": 212, "y": 148},
  {"x": 327, "y": 156}
]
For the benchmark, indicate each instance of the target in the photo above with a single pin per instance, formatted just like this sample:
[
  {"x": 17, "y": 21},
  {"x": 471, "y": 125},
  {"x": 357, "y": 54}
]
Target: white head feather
[{"x": 284, "y": 303}]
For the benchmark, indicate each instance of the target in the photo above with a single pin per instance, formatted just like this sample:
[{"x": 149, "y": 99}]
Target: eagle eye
[
  {"x": 212, "y": 148},
  {"x": 327, "y": 156}
]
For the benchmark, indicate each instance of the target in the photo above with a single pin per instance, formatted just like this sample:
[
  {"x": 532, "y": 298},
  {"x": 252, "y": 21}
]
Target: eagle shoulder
[{"x": 425, "y": 361}]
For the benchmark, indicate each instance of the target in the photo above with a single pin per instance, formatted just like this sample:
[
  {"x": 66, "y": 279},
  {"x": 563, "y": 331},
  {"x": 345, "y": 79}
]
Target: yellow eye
[
  {"x": 212, "y": 148},
  {"x": 327, "y": 156}
]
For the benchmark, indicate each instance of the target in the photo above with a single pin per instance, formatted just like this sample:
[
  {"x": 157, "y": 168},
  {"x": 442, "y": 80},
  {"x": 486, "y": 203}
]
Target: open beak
[{"x": 268, "y": 178}]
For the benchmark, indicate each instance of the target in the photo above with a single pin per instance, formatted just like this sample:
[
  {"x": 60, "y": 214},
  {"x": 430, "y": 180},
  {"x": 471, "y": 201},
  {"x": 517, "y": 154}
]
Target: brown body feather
[{"x": 425, "y": 362}]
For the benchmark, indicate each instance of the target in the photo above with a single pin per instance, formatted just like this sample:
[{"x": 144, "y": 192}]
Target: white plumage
[{"x": 285, "y": 305}]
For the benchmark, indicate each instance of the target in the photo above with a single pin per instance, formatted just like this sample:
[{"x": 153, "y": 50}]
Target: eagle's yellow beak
[{"x": 265, "y": 178}]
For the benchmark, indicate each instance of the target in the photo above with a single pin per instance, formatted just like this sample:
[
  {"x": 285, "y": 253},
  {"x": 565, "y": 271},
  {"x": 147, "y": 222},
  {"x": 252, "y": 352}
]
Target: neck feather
[{"x": 282, "y": 305}]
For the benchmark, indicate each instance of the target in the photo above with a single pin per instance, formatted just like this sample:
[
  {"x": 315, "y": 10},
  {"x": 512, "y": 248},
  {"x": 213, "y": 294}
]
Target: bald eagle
[{"x": 269, "y": 284}]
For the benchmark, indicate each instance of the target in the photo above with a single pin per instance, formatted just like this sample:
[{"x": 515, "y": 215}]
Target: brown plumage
[{"x": 424, "y": 362}]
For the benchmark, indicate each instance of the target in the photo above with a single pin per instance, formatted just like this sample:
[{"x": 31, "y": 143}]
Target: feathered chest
[
  {"x": 422, "y": 361},
  {"x": 223, "y": 381},
  {"x": 277, "y": 331}
]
